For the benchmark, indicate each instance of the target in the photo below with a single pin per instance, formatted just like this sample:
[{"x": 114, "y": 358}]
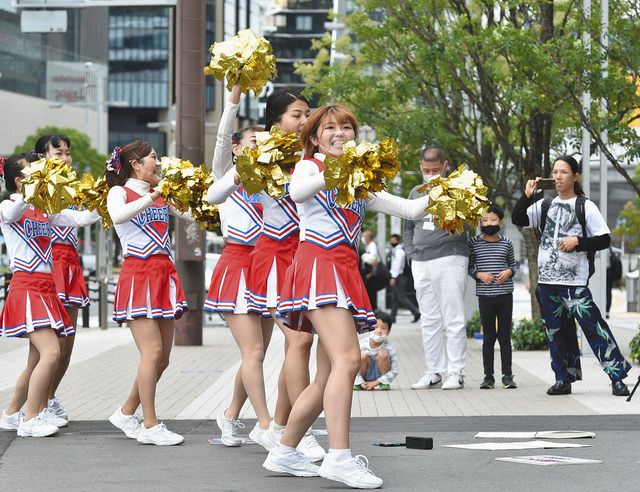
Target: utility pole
[{"x": 190, "y": 90}]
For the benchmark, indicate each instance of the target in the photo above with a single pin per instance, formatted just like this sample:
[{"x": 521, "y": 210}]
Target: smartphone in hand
[{"x": 546, "y": 184}]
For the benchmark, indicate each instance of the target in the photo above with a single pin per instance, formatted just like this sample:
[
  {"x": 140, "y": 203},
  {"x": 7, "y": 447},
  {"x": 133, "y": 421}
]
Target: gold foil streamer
[
  {"x": 458, "y": 199},
  {"x": 206, "y": 215},
  {"x": 91, "y": 194},
  {"x": 361, "y": 169},
  {"x": 48, "y": 185},
  {"x": 246, "y": 59},
  {"x": 268, "y": 165}
]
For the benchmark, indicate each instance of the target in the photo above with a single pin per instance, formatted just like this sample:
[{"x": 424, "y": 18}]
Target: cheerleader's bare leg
[
  {"x": 248, "y": 335},
  {"x": 45, "y": 341},
  {"x": 66, "y": 347},
  {"x": 22, "y": 384}
]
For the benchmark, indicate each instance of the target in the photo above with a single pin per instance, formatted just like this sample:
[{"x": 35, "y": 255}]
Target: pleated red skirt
[
  {"x": 68, "y": 276},
  {"x": 228, "y": 289}
]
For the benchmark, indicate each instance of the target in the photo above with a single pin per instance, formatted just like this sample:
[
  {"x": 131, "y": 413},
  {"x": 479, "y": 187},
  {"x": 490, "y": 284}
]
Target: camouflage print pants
[{"x": 560, "y": 303}]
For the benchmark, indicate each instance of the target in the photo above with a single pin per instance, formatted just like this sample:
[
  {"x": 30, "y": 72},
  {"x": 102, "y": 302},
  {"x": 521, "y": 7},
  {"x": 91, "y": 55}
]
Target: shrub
[
  {"x": 474, "y": 325},
  {"x": 529, "y": 334},
  {"x": 634, "y": 347}
]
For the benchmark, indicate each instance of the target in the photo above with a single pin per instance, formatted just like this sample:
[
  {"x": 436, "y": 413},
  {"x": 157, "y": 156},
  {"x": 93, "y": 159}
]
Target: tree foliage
[
  {"x": 629, "y": 220},
  {"x": 84, "y": 155}
]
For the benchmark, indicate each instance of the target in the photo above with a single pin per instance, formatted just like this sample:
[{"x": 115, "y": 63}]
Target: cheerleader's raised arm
[{"x": 222, "y": 156}]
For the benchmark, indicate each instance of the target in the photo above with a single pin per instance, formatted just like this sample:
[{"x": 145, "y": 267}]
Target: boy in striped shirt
[{"x": 492, "y": 264}]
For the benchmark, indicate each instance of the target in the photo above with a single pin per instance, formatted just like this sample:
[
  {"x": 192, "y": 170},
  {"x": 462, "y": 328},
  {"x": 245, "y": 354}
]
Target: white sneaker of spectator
[
  {"x": 353, "y": 472},
  {"x": 427, "y": 381},
  {"x": 229, "y": 429},
  {"x": 159, "y": 435},
  {"x": 453, "y": 382}
]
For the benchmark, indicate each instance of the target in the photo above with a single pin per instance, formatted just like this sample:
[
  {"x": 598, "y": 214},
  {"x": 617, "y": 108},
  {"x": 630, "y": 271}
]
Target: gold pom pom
[
  {"x": 459, "y": 199},
  {"x": 246, "y": 59},
  {"x": 268, "y": 165},
  {"x": 48, "y": 185},
  {"x": 92, "y": 194},
  {"x": 361, "y": 169}
]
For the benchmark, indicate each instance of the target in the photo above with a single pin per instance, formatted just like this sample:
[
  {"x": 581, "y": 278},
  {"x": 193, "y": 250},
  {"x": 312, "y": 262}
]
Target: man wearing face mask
[{"x": 439, "y": 263}]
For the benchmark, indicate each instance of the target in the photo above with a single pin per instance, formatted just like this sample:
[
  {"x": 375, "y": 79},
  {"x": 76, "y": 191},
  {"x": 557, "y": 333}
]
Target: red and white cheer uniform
[
  {"x": 240, "y": 221},
  {"x": 32, "y": 302},
  {"x": 325, "y": 267},
  {"x": 67, "y": 271},
  {"x": 148, "y": 285}
]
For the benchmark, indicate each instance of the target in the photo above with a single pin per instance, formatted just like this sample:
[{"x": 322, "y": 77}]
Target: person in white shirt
[{"x": 378, "y": 357}]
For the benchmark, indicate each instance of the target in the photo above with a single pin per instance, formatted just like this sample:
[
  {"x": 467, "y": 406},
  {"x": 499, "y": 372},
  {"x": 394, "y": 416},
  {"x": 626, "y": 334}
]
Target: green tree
[
  {"x": 629, "y": 221},
  {"x": 497, "y": 84},
  {"x": 84, "y": 155}
]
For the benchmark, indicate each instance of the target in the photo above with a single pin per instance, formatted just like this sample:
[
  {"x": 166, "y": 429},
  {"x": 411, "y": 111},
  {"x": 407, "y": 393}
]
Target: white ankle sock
[
  {"x": 340, "y": 455},
  {"x": 277, "y": 427}
]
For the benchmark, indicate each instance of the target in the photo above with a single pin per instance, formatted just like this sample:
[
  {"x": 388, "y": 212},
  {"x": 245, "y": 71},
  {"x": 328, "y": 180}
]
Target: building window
[{"x": 304, "y": 23}]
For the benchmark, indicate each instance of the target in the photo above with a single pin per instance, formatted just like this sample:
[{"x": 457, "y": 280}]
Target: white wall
[{"x": 21, "y": 116}]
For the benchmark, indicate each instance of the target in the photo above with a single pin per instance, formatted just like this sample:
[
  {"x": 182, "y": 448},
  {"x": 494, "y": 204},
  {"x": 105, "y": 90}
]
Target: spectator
[
  {"x": 614, "y": 274},
  {"x": 492, "y": 265},
  {"x": 571, "y": 228},
  {"x": 370, "y": 267},
  {"x": 439, "y": 262},
  {"x": 400, "y": 280},
  {"x": 378, "y": 357}
]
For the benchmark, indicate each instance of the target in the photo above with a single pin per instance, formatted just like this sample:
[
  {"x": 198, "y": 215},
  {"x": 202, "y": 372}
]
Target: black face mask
[{"x": 490, "y": 230}]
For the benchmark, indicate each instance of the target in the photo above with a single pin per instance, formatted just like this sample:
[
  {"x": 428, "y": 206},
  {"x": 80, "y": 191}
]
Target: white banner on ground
[
  {"x": 497, "y": 446},
  {"x": 562, "y": 434},
  {"x": 548, "y": 460}
]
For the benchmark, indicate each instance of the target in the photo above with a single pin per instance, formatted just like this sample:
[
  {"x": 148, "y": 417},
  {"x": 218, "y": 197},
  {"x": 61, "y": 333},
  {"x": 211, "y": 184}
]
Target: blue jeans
[{"x": 557, "y": 303}]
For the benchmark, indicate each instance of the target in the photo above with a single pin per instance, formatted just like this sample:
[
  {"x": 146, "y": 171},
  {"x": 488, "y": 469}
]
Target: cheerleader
[
  {"x": 32, "y": 308},
  {"x": 241, "y": 223},
  {"x": 149, "y": 296},
  {"x": 323, "y": 286},
  {"x": 269, "y": 261},
  {"x": 67, "y": 271}
]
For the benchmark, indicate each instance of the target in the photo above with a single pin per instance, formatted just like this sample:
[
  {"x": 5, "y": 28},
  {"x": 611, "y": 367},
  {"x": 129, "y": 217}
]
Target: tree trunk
[{"x": 531, "y": 252}]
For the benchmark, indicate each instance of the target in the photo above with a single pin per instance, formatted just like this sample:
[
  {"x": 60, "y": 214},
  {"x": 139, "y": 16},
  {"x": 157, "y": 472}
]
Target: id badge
[{"x": 428, "y": 224}]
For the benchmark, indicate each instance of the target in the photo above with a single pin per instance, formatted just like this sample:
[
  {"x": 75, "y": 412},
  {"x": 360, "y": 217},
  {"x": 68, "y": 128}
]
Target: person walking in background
[
  {"x": 369, "y": 266},
  {"x": 571, "y": 228},
  {"x": 400, "y": 280},
  {"x": 492, "y": 265},
  {"x": 439, "y": 262}
]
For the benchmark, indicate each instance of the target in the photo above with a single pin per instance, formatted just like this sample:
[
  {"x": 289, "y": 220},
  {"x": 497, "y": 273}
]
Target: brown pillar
[{"x": 190, "y": 91}]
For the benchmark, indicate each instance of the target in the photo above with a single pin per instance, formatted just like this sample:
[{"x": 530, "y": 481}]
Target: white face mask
[{"x": 378, "y": 338}]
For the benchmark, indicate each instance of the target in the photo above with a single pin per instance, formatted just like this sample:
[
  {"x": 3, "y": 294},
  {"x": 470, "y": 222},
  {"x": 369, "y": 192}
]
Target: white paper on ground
[
  {"x": 217, "y": 442},
  {"x": 561, "y": 434},
  {"x": 495, "y": 446},
  {"x": 548, "y": 460}
]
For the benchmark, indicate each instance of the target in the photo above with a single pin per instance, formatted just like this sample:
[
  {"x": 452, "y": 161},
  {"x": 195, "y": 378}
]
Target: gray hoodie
[{"x": 423, "y": 240}]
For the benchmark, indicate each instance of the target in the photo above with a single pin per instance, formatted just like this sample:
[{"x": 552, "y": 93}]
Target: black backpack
[{"x": 580, "y": 214}]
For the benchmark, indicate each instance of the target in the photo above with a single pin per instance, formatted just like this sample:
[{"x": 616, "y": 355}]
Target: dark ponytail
[
  {"x": 576, "y": 168},
  {"x": 13, "y": 167},
  {"x": 278, "y": 103},
  {"x": 118, "y": 166}
]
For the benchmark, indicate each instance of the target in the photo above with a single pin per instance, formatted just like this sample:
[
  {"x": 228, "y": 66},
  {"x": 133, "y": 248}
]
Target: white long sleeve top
[
  {"x": 67, "y": 234},
  {"x": 324, "y": 224},
  {"x": 141, "y": 223},
  {"x": 27, "y": 233},
  {"x": 240, "y": 213}
]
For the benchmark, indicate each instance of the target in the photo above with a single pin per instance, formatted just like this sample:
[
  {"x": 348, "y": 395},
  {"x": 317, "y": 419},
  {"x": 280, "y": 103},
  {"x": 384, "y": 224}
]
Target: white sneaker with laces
[
  {"x": 272, "y": 435},
  {"x": 259, "y": 436},
  {"x": 159, "y": 435},
  {"x": 290, "y": 462},
  {"x": 10, "y": 422},
  {"x": 309, "y": 447},
  {"x": 50, "y": 417},
  {"x": 427, "y": 381},
  {"x": 36, "y": 427},
  {"x": 453, "y": 382},
  {"x": 229, "y": 429},
  {"x": 56, "y": 405},
  {"x": 129, "y": 424},
  {"x": 355, "y": 472}
]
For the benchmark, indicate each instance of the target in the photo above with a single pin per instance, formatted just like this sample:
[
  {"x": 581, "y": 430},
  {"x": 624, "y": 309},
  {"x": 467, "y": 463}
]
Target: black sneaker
[
  {"x": 488, "y": 383},
  {"x": 560, "y": 388},
  {"x": 618, "y": 388},
  {"x": 508, "y": 382}
]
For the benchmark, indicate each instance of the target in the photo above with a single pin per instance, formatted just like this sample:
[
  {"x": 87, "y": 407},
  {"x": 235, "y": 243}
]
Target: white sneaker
[
  {"x": 10, "y": 422},
  {"x": 272, "y": 435},
  {"x": 359, "y": 380},
  {"x": 129, "y": 424},
  {"x": 56, "y": 405},
  {"x": 427, "y": 381},
  {"x": 355, "y": 472},
  {"x": 36, "y": 427},
  {"x": 229, "y": 429},
  {"x": 290, "y": 462},
  {"x": 259, "y": 436},
  {"x": 309, "y": 447},
  {"x": 453, "y": 382},
  {"x": 50, "y": 417},
  {"x": 159, "y": 435}
]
